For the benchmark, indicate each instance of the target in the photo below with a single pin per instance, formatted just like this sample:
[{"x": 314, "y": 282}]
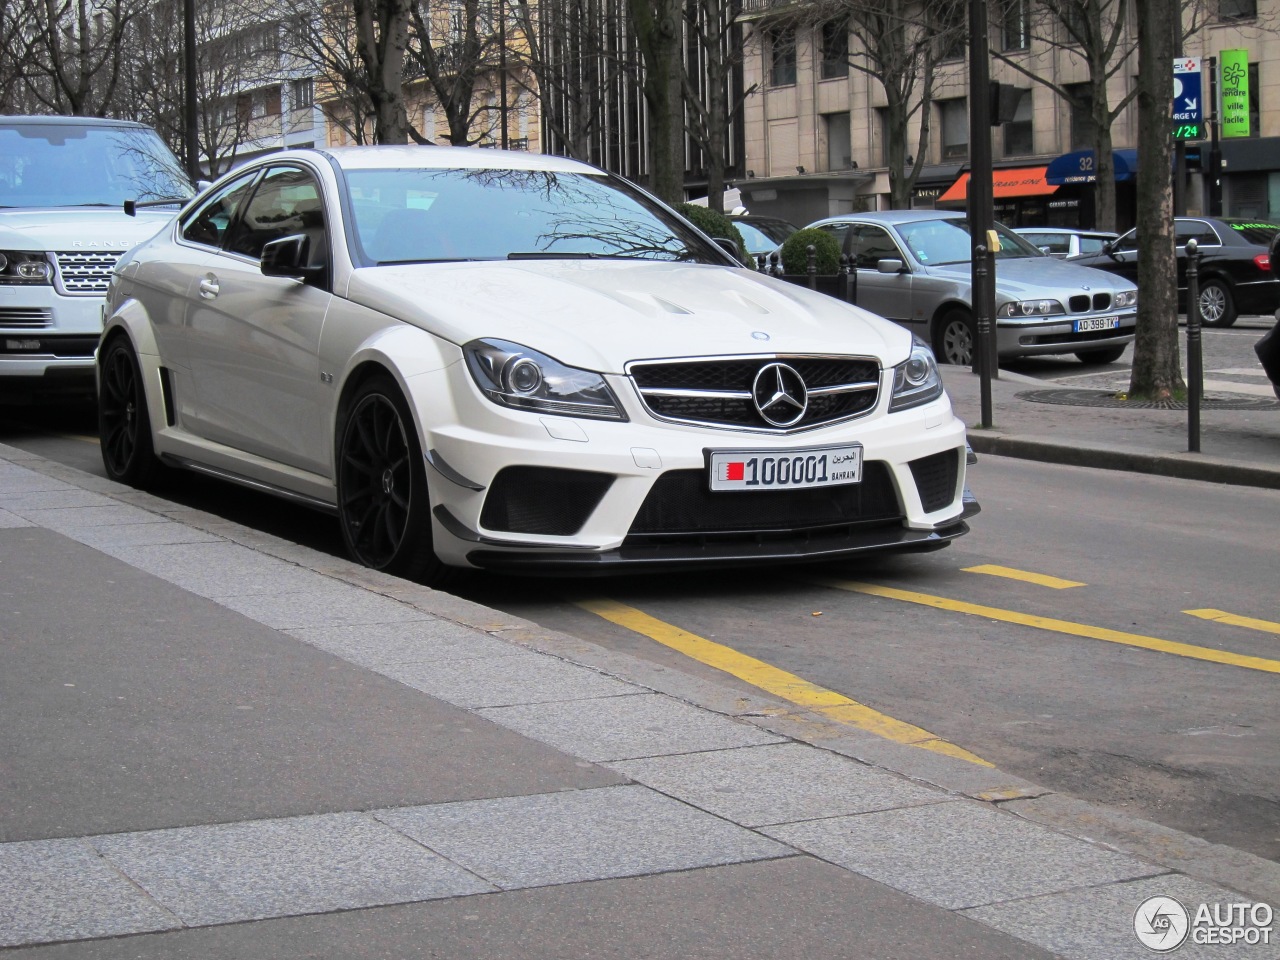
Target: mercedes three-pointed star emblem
[{"x": 780, "y": 395}]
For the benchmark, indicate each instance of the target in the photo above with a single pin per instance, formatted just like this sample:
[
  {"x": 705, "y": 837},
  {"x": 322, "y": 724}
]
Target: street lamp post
[
  {"x": 981, "y": 217},
  {"x": 191, "y": 132}
]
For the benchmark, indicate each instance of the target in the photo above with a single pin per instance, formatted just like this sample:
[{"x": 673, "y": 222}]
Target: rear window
[
  {"x": 76, "y": 165},
  {"x": 1259, "y": 233}
]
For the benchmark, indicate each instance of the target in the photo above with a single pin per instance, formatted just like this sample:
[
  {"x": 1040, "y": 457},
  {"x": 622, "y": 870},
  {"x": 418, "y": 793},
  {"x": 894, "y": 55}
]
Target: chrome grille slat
[
  {"x": 716, "y": 391},
  {"x": 83, "y": 272},
  {"x": 26, "y": 317}
]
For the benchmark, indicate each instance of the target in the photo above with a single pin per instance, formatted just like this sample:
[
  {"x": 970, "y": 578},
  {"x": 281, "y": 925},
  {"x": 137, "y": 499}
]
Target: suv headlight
[
  {"x": 916, "y": 380},
  {"x": 17, "y": 266},
  {"x": 1029, "y": 308},
  {"x": 1125, "y": 298},
  {"x": 514, "y": 376}
]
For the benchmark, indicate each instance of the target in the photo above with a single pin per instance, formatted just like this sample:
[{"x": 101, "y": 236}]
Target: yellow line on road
[
  {"x": 778, "y": 682},
  {"x": 1221, "y": 616},
  {"x": 1042, "y": 579},
  {"x": 1060, "y": 626}
]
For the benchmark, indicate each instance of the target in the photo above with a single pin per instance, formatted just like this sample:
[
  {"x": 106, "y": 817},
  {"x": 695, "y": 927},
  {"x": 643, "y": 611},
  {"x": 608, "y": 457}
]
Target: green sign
[
  {"x": 1188, "y": 131},
  {"x": 1235, "y": 92}
]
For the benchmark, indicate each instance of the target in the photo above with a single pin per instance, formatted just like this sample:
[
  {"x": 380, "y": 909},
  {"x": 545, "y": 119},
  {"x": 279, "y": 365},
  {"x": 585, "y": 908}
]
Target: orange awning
[{"x": 1019, "y": 182}]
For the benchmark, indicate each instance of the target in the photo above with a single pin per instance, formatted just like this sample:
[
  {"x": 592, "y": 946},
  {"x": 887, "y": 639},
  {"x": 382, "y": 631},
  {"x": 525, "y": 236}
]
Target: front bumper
[
  {"x": 1040, "y": 337},
  {"x": 46, "y": 336}
]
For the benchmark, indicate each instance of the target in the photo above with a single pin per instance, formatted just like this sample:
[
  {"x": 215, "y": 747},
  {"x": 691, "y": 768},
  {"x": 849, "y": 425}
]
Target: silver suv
[
  {"x": 913, "y": 267},
  {"x": 63, "y": 183}
]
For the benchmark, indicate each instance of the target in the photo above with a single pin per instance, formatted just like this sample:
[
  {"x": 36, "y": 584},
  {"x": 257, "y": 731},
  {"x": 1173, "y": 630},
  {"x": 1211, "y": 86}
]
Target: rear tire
[
  {"x": 1101, "y": 355},
  {"x": 124, "y": 424},
  {"x": 1217, "y": 306},
  {"x": 954, "y": 338},
  {"x": 383, "y": 505}
]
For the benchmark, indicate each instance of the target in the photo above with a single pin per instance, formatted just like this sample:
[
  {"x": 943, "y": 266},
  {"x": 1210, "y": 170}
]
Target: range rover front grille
[
  {"x": 718, "y": 392},
  {"x": 85, "y": 272}
]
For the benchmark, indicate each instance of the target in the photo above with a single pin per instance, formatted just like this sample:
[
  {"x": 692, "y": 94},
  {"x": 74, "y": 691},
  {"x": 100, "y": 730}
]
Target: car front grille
[
  {"x": 718, "y": 392},
  {"x": 1083, "y": 303},
  {"x": 85, "y": 273},
  {"x": 26, "y": 317},
  {"x": 681, "y": 506}
]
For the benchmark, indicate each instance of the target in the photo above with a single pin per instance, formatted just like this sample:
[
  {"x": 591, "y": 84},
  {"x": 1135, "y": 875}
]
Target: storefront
[{"x": 1075, "y": 177}]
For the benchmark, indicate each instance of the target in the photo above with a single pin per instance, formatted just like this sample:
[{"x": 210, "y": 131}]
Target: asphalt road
[{"x": 1028, "y": 642}]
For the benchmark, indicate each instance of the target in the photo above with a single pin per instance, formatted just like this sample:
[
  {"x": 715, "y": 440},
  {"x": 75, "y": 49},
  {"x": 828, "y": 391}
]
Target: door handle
[{"x": 208, "y": 287}]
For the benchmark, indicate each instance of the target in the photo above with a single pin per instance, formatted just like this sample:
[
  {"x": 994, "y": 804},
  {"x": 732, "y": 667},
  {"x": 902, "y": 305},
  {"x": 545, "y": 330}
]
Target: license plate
[
  {"x": 1097, "y": 323},
  {"x": 785, "y": 469}
]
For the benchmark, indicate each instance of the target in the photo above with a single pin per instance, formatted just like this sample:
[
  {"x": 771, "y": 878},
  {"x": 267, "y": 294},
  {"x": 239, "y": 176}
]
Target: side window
[
  {"x": 209, "y": 224},
  {"x": 873, "y": 244},
  {"x": 1050, "y": 242},
  {"x": 1128, "y": 242},
  {"x": 1185, "y": 230},
  {"x": 840, "y": 232},
  {"x": 286, "y": 202},
  {"x": 1092, "y": 244}
]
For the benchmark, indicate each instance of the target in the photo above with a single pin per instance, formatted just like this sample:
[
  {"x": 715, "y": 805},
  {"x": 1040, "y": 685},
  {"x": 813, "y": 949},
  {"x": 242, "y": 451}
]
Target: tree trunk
[
  {"x": 382, "y": 28},
  {"x": 1156, "y": 367},
  {"x": 658, "y": 35}
]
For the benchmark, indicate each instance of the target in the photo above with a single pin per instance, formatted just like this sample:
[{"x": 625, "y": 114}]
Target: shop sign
[{"x": 1235, "y": 92}]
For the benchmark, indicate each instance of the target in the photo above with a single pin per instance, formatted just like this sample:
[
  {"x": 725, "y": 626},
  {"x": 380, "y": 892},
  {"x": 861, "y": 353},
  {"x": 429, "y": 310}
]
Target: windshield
[
  {"x": 422, "y": 215},
  {"x": 946, "y": 241},
  {"x": 72, "y": 165}
]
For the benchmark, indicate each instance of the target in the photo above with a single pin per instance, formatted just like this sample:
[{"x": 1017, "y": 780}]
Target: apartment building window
[
  {"x": 271, "y": 102},
  {"x": 835, "y": 50},
  {"x": 882, "y": 128},
  {"x": 950, "y": 27},
  {"x": 1083, "y": 129},
  {"x": 303, "y": 93},
  {"x": 1074, "y": 24},
  {"x": 839, "y": 148},
  {"x": 1019, "y": 137},
  {"x": 1015, "y": 25},
  {"x": 782, "y": 57},
  {"x": 1237, "y": 9},
  {"x": 955, "y": 128}
]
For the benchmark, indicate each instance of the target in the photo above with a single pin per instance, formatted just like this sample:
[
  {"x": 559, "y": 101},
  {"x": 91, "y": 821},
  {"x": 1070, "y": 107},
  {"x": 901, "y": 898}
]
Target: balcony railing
[{"x": 754, "y": 8}]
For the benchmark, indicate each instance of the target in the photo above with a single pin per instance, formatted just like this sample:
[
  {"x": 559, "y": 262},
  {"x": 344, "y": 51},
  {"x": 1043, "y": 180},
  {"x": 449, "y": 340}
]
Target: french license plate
[
  {"x": 1097, "y": 323},
  {"x": 785, "y": 469}
]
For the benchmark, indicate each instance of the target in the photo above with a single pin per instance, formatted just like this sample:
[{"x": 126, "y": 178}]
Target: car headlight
[
  {"x": 1029, "y": 308},
  {"x": 17, "y": 266},
  {"x": 916, "y": 380},
  {"x": 514, "y": 376},
  {"x": 1125, "y": 298}
]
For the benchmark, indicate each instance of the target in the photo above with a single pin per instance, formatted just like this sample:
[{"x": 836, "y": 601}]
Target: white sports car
[{"x": 515, "y": 362}]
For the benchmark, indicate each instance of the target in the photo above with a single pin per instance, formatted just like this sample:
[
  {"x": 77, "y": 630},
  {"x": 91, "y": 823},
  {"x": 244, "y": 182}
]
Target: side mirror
[
  {"x": 289, "y": 257},
  {"x": 1109, "y": 248},
  {"x": 888, "y": 265},
  {"x": 729, "y": 247}
]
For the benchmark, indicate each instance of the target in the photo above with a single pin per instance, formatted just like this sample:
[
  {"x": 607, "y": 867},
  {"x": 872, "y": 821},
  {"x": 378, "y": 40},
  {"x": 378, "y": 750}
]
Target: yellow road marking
[
  {"x": 76, "y": 436},
  {"x": 1043, "y": 579},
  {"x": 1221, "y": 616},
  {"x": 1060, "y": 626},
  {"x": 779, "y": 682}
]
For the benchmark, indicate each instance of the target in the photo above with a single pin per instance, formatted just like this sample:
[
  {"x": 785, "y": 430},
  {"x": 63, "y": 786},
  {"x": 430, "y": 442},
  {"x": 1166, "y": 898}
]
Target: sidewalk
[{"x": 222, "y": 745}]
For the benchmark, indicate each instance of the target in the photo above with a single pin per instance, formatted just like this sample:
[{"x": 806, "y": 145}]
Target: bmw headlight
[
  {"x": 1029, "y": 308},
  {"x": 916, "y": 380},
  {"x": 17, "y": 266},
  {"x": 1125, "y": 298},
  {"x": 514, "y": 376}
]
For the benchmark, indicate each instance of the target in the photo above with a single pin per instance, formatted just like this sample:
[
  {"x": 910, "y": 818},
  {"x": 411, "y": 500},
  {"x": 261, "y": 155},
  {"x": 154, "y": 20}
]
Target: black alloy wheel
[
  {"x": 383, "y": 505},
  {"x": 956, "y": 338},
  {"x": 124, "y": 426}
]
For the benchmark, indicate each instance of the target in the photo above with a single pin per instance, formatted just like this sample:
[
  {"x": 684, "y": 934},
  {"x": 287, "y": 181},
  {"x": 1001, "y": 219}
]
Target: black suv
[{"x": 1235, "y": 265}]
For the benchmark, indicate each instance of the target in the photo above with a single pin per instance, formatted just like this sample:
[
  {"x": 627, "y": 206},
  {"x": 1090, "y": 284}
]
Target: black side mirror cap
[
  {"x": 728, "y": 246},
  {"x": 289, "y": 257}
]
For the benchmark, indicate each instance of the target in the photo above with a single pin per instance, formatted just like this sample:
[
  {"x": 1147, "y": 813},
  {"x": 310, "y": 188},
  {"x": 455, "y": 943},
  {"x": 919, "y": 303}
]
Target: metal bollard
[
  {"x": 983, "y": 334},
  {"x": 1195, "y": 355},
  {"x": 811, "y": 265},
  {"x": 775, "y": 265},
  {"x": 762, "y": 263},
  {"x": 842, "y": 279}
]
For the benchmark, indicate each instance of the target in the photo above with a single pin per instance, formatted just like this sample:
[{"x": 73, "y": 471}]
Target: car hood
[
  {"x": 77, "y": 228},
  {"x": 602, "y": 314},
  {"x": 1029, "y": 278}
]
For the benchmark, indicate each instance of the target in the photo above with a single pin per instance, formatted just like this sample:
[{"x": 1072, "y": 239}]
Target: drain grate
[{"x": 1108, "y": 398}]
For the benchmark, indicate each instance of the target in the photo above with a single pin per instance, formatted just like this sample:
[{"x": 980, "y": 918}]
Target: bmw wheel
[
  {"x": 124, "y": 426},
  {"x": 1217, "y": 307},
  {"x": 383, "y": 506},
  {"x": 955, "y": 338}
]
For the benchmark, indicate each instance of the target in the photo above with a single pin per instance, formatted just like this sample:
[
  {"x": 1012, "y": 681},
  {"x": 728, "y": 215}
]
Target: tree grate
[{"x": 1118, "y": 401}]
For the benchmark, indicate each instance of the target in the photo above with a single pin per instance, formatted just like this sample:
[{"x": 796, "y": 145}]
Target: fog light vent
[{"x": 543, "y": 500}]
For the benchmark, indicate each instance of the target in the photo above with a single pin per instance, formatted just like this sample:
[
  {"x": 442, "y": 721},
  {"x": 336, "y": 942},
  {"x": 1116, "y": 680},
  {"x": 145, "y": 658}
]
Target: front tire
[
  {"x": 124, "y": 425},
  {"x": 383, "y": 506},
  {"x": 954, "y": 340},
  {"x": 1217, "y": 306}
]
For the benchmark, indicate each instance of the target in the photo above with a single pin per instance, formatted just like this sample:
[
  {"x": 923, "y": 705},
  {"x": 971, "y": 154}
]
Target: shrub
[
  {"x": 795, "y": 254},
  {"x": 711, "y": 223}
]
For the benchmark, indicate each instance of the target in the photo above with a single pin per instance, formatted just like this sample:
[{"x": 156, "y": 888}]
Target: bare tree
[
  {"x": 323, "y": 37},
  {"x": 1156, "y": 366},
  {"x": 714, "y": 41},
  {"x": 382, "y": 36},
  {"x": 72, "y": 52},
  {"x": 453, "y": 45},
  {"x": 659, "y": 37}
]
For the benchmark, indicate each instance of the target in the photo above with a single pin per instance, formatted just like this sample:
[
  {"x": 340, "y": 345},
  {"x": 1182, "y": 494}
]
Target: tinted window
[
  {"x": 873, "y": 244},
  {"x": 209, "y": 223},
  {"x": 1185, "y": 230},
  {"x": 286, "y": 202},
  {"x": 1255, "y": 232},
  {"x": 843, "y": 234},
  {"x": 71, "y": 165},
  {"x": 416, "y": 215},
  {"x": 1053, "y": 242}
]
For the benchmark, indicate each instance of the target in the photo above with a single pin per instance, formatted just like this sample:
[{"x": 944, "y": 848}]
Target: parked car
[
  {"x": 914, "y": 267},
  {"x": 1235, "y": 265},
  {"x": 508, "y": 361},
  {"x": 63, "y": 181},
  {"x": 1064, "y": 242},
  {"x": 762, "y": 235}
]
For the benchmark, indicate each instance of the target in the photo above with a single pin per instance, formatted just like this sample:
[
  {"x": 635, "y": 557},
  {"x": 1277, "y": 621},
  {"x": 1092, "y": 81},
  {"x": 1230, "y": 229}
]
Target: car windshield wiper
[
  {"x": 397, "y": 263},
  {"x": 553, "y": 255}
]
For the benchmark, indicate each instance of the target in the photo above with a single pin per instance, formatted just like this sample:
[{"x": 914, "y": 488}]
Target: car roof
[
  {"x": 63, "y": 121},
  {"x": 388, "y": 157},
  {"x": 1069, "y": 231},
  {"x": 894, "y": 217},
  {"x": 758, "y": 218}
]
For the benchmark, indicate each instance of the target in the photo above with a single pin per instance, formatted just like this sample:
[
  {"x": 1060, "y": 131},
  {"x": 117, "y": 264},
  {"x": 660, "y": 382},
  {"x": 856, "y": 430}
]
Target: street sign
[
  {"x": 1188, "y": 104},
  {"x": 1235, "y": 93}
]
